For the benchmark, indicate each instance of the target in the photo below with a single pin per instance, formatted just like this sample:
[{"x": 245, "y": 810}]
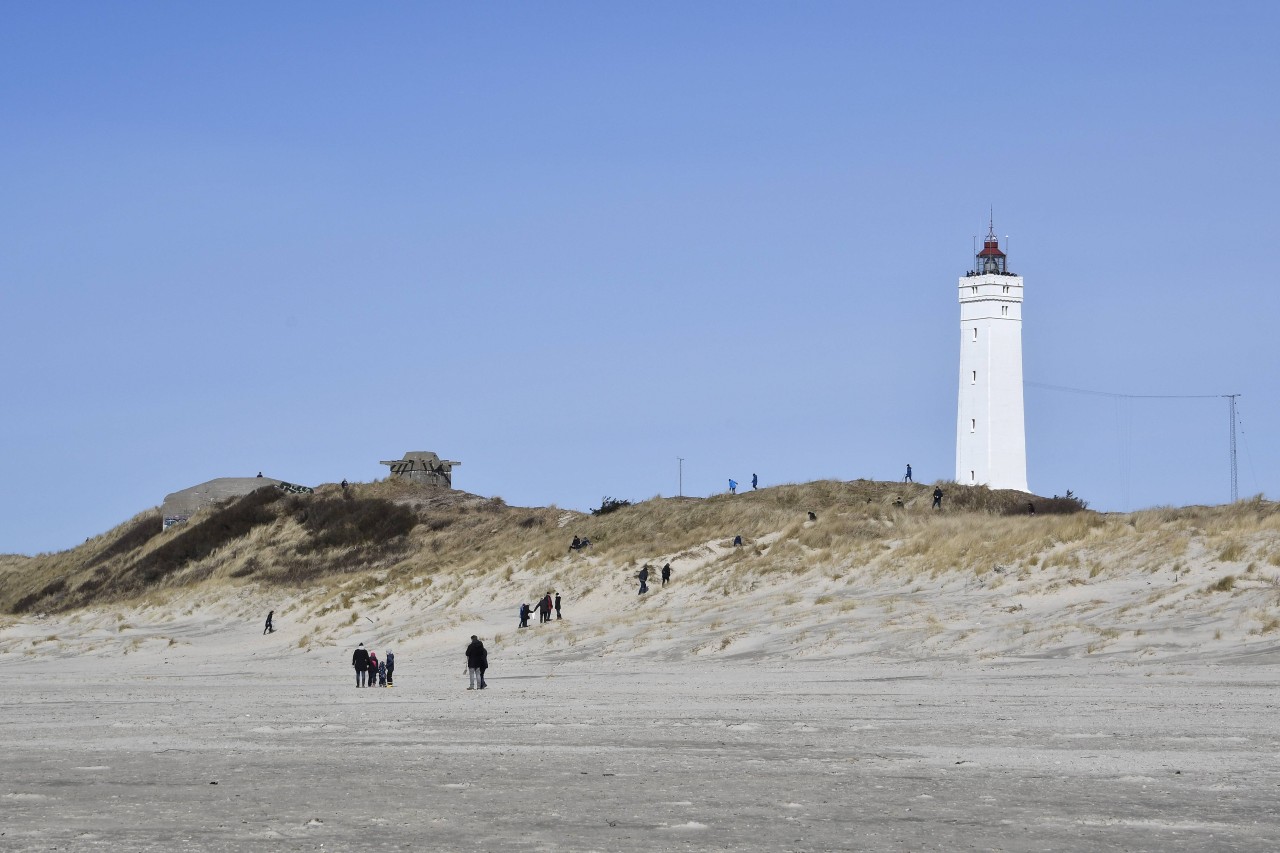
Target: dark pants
[
  {"x": 644, "y": 587},
  {"x": 390, "y": 674},
  {"x": 557, "y": 612},
  {"x": 937, "y": 503},
  {"x": 359, "y": 678}
]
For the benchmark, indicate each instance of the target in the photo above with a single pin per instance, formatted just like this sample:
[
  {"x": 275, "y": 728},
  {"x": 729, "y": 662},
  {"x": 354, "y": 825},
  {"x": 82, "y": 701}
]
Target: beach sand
[{"x": 282, "y": 752}]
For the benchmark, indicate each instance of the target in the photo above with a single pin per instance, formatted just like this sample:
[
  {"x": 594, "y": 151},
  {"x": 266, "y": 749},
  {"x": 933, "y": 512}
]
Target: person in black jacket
[
  {"x": 477, "y": 663},
  {"x": 269, "y": 629},
  {"x": 360, "y": 660}
]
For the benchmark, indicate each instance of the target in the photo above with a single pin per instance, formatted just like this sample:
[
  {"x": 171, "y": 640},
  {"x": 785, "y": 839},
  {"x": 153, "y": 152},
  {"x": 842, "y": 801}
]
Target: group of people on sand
[
  {"x": 544, "y": 607},
  {"x": 371, "y": 672},
  {"x": 643, "y": 577}
]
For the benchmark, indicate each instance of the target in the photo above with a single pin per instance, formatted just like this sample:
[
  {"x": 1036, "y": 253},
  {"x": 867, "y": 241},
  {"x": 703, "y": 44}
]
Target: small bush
[
  {"x": 28, "y": 602},
  {"x": 608, "y": 505},
  {"x": 337, "y": 523},
  {"x": 1225, "y": 584},
  {"x": 1006, "y": 502}
]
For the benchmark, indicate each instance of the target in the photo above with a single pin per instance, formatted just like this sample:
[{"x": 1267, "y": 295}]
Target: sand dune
[{"x": 1101, "y": 684}]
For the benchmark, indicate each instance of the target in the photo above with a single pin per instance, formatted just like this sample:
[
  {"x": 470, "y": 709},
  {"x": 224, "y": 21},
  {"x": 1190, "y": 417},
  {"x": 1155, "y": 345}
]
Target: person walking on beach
[
  {"x": 733, "y": 487},
  {"x": 907, "y": 479},
  {"x": 360, "y": 660},
  {"x": 391, "y": 669},
  {"x": 937, "y": 497},
  {"x": 754, "y": 482},
  {"x": 477, "y": 663},
  {"x": 269, "y": 629},
  {"x": 666, "y": 574},
  {"x": 546, "y": 607},
  {"x": 524, "y": 615},
  {"x": 644, "y": 580},
  {"x": 557, "y": 605}
]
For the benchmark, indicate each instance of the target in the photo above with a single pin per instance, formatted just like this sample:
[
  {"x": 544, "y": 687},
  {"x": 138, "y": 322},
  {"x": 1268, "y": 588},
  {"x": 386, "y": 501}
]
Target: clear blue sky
[{"x": 566, "y": 243}]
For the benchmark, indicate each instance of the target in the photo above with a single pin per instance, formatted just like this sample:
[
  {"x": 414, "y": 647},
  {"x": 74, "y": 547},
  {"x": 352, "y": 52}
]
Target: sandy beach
[{"x": 204, "y": 751}]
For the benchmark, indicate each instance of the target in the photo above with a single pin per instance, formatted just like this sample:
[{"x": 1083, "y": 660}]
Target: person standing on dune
[{"x": 269, "y": 629}]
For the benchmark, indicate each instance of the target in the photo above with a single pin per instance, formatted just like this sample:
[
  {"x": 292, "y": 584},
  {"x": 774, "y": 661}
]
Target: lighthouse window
[
  {"x": 975, "y": 290},
  {"x": 972, "y": 477},
  {"x": 975, "y": 378},
  {"x": 973, "y": 425},
  {"x": 1004, "y": 310},
  {"x": 975, "y": 333},
  {"x": 1006, "y": 288}
]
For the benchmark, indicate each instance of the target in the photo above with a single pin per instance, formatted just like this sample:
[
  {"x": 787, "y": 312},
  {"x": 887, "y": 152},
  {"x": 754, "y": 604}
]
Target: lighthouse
[{"x": 991, "y": 442}]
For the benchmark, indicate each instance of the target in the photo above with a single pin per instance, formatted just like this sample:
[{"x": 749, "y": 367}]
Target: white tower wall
[{"x": 991, "y": 446}]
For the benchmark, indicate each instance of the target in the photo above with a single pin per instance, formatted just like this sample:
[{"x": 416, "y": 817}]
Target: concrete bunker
[
  {"x": 423, "y": 466},
  {"x": 179, "y": 506}
]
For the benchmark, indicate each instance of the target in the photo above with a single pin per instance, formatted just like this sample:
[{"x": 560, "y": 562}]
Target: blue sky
[{"x": 566, "y": 243}]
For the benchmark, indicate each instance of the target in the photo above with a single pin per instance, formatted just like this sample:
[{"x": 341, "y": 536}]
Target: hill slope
[{"x": 392, "y": 562}]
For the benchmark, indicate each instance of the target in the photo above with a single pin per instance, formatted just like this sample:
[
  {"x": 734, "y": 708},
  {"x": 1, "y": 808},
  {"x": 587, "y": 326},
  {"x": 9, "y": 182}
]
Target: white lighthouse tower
[{"x": 991, "y": 442}]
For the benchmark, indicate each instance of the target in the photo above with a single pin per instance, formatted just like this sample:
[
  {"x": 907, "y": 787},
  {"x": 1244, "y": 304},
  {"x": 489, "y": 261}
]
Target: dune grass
[{"x": 354, "y": 545}]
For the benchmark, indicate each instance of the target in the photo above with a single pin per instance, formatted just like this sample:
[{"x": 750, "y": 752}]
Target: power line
[
  {"x": 1231, "y": 410},
  {"x": 1126, "y": 396}
]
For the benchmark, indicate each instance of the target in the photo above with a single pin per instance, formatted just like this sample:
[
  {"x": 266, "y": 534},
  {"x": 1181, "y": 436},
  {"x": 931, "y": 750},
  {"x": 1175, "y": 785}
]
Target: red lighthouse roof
[{"x": 991, "y": 245}]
